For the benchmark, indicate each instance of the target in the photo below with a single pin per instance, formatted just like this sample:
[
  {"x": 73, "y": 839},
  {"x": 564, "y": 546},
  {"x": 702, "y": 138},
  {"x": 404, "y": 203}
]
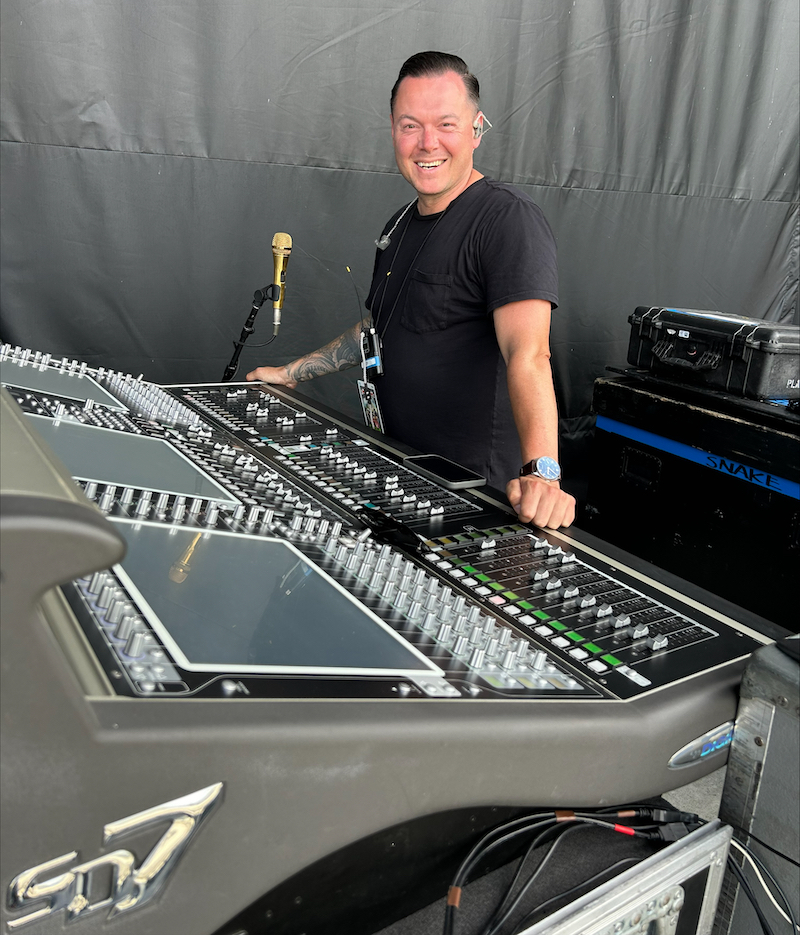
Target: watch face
[{"x": 548, "y": 468}]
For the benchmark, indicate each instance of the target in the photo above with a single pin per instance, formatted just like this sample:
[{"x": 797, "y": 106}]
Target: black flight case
[{"x": 693, "y": 477}]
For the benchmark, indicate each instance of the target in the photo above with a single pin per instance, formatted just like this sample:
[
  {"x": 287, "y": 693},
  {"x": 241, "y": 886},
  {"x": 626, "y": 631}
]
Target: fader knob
[
  {"x": 657, "y": 642},
  {"x": 637, "y": 631}
]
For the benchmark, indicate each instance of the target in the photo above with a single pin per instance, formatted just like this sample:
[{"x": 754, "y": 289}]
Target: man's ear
[{"x": 478, "y": 129}]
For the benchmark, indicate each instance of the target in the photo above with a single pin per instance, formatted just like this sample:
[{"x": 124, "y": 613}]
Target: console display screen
[
  {"x": 227, "y": 602},
  {"x": 108, "y": 457}
]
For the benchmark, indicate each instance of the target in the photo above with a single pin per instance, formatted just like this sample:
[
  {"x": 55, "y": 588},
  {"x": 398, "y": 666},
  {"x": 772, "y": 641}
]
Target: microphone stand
[{"x": 259, "y": 298}]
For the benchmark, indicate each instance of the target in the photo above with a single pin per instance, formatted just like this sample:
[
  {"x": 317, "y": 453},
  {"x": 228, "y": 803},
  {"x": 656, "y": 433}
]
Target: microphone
[
  {"x": 179, "y": 570},
  {"x": 281, "y": 248}
]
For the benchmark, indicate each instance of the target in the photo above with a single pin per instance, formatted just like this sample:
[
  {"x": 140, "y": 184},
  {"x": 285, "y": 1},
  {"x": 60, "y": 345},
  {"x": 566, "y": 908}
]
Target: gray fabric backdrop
[{"x": 150, "y": 151}]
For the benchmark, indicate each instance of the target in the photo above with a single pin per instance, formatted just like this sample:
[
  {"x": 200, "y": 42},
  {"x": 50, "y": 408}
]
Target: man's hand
[
  {"x": 542, "y": 502},
  {"x": 277, "y": 375}
]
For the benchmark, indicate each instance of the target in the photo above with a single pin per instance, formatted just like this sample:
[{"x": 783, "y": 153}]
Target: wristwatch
[{"x": 544, "y": 467}]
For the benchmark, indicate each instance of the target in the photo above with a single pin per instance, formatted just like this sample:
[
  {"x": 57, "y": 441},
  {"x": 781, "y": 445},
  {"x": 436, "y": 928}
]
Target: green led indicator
[
  {"x": 470, "y": 570},
  {"x": 541, "y": 615},
  {"x": 525, "y": 605},
  {"x": 611, "y": 660},
  {"x": 483, "y": 578},
  {"x": 510, "y": 595},
  {"x": 592, "y": 648},
  {"x": 575, "y": 637},
  {"x": 496, "y": 586},
  {"x": 558, "y": 625}
]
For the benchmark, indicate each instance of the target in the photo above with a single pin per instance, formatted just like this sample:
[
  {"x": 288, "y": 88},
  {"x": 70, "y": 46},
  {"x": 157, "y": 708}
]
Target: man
[{"x": 463, "y": 285}]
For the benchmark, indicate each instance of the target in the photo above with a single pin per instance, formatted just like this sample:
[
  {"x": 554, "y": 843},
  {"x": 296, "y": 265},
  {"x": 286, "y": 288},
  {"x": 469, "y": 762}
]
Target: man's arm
[
  {"x": 523, "y": 334},
  {"x": 340, "y": 354}
]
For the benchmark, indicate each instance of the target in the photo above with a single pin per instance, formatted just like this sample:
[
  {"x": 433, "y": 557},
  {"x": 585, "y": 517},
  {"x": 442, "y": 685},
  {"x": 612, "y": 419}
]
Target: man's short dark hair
[{"x": 431, "y": 64}]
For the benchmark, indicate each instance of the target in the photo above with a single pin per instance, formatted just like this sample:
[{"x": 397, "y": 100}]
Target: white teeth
[{"x": 430, "y": 165}]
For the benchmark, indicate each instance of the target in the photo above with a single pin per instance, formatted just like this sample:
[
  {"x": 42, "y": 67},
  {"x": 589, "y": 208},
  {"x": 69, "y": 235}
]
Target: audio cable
[
  {"x": 653, "y": 823},
  {"x": 542, "y": 823},
  {"x": 760, "y": 870}
]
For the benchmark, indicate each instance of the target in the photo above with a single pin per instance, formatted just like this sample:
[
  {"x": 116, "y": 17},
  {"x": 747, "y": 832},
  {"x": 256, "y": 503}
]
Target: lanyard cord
[{"x": 408, "y": 271}]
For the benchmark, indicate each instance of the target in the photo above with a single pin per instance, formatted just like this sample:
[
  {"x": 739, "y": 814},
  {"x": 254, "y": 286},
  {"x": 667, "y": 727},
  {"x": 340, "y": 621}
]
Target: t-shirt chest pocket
[{"x": 427, "y": 302}]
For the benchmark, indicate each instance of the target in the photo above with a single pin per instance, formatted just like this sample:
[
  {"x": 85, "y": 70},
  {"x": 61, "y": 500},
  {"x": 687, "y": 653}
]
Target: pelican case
[{"x": 743, "y": 356}]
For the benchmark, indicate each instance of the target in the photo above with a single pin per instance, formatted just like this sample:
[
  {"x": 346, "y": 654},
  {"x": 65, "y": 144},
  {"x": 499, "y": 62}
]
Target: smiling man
[{"x": 464, "y": 282}]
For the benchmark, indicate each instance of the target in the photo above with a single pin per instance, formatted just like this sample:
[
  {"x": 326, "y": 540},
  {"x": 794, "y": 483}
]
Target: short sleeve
[{"x": 517, "y": 252}]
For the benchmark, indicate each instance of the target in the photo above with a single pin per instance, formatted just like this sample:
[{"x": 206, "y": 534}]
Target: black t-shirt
[{"x": 444, "y": 388}]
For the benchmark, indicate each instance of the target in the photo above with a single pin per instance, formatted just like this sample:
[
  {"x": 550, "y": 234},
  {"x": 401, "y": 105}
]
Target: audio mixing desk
[{"x": 229, "y": 612}]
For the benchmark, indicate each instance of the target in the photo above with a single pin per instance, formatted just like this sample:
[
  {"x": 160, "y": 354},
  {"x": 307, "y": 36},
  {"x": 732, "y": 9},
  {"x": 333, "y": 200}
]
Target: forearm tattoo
[{"x": 343, "y": 352}]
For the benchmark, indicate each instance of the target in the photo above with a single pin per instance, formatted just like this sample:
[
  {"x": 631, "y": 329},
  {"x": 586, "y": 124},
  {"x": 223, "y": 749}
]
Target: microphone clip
[{"x": 272, "y": 292}]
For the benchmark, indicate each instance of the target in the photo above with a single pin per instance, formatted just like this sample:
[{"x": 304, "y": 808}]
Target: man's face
[{"x": 434, "y": 138}]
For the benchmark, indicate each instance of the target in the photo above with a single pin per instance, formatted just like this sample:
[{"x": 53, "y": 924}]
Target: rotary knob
[
  {"x": 509, "y": 659},
  {"x": 538, "y": 660},
  {"x": 135, "y": 645},
  {"x": 107, "y": 499},
  {"x": 478, "y": 658},
  {"x": 460, "y": 646},
  {"x": 116, "y": 610},
  {"x": 125, "y": 627},
  {"x": 143, "y": 506},
  {"x": 108, "y": 593},
  {"x": 98, "y": 580}
]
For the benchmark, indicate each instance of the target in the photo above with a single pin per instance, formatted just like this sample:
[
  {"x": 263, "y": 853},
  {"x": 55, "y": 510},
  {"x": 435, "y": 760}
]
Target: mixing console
[
  {"x": 466, "y": 602},
  {"x": 229, "y": 587}
]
